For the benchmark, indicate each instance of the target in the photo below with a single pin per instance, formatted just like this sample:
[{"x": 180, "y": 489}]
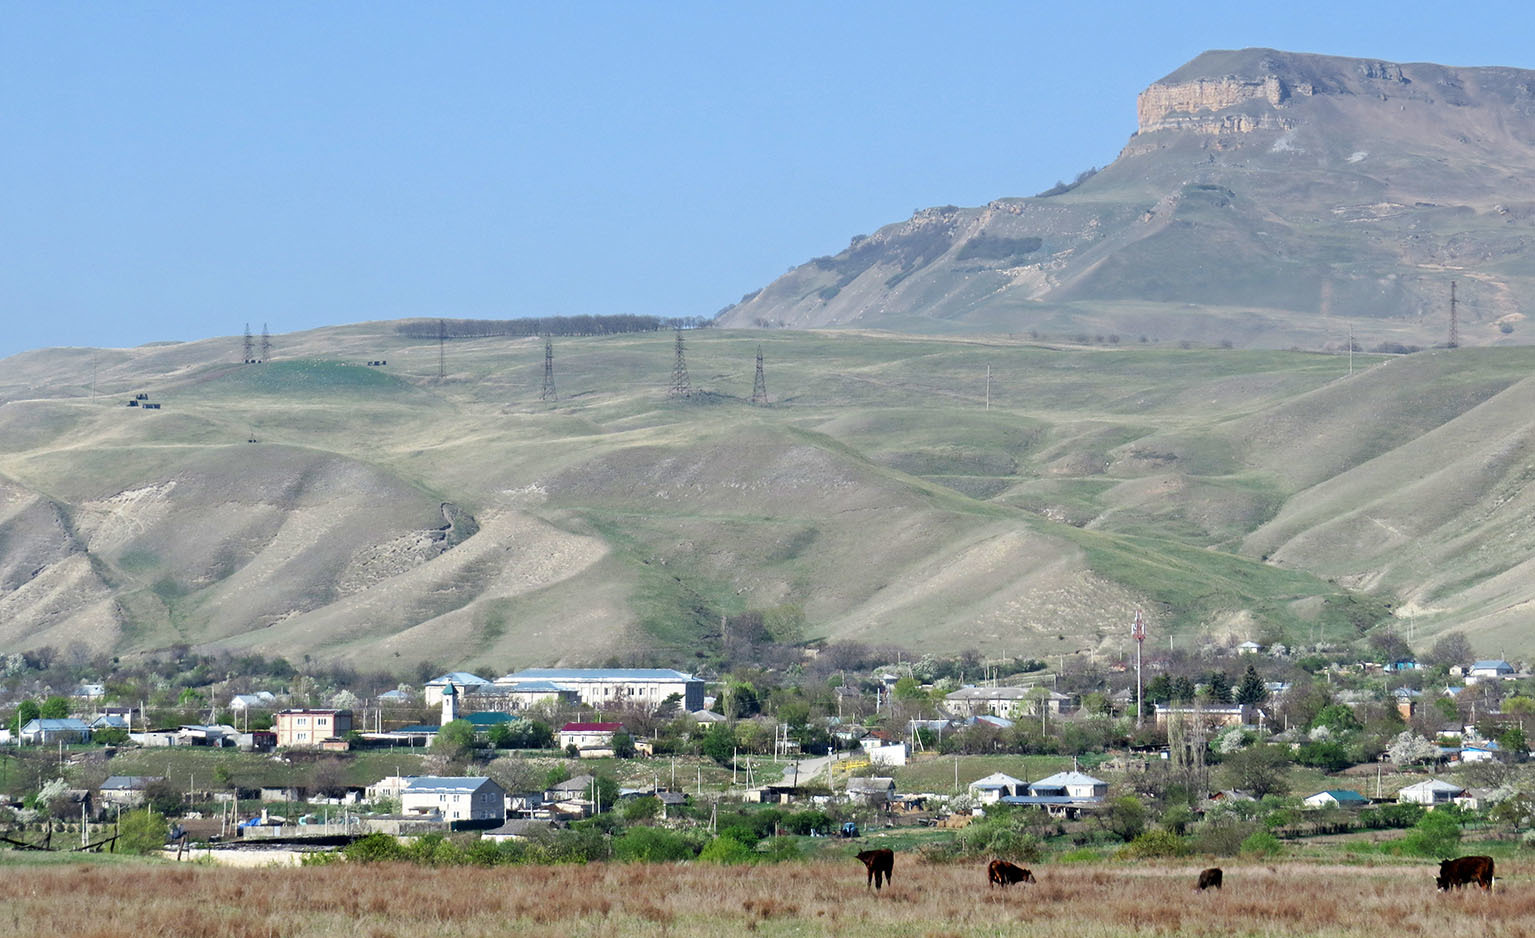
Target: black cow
[
  {"x": 1209, "y": 879},
  {"x": 1461, "y": 871},
  {"x": 1003, "y": 873},
  {"x": 879, "y": 864}
]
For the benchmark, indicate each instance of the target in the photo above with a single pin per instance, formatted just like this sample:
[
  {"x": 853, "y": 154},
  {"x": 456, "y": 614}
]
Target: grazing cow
[
  {"x": 878, "y": 863},
  {"x": 1209, "y": 879},
  {"x": 1461, "y": 871},
  {"x": 1003, "y": 873}
]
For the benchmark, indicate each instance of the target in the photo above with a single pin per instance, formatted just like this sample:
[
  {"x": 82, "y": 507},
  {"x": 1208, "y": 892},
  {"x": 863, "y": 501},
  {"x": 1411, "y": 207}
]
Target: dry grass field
[{"x": 98, "y": 900}]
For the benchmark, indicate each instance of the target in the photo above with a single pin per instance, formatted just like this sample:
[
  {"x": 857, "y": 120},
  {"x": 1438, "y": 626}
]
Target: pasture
[{"x": 824, "y": 897}]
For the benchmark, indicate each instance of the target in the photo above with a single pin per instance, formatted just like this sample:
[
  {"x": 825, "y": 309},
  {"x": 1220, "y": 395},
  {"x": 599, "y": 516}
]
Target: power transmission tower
[
  {"x": 759, "y": 385},
  {"x": 1454, "y": 319},
  {"x": 442, "y": 354},
  {"x": 680, "y": 386},
  {"x": 248, "y": 343},
  {"x": 548, "y": 392},
  {"x": 266, "y": 343}
]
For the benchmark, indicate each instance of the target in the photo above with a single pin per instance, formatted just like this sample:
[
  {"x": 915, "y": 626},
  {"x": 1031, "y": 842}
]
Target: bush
[
  {"x": 727, "y": 850},
  {"x": 804, "y": 822},
  {"x": 374, "y": 848},
  {"x": 1154, "y": 843},
  {"x": 1261, "y": 844},
  {"x": 1223, "y": 837},
  {"x": 779, "y": 849},
  {"x": 652, "y": 845},
  {"x": 435, "y": 850},
  {"x": 142, "y": 831},
  {"x": 1437, "y": 834}
]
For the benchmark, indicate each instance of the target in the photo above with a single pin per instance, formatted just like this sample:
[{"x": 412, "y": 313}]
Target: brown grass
[{"x": 821, "y": 898}]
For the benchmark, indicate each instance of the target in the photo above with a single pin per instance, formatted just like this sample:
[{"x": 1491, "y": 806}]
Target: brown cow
[
  {"x": 878, "y": 863},
  {"x": 1003, "y": 873},
  {"x": 1209, "y": 879},
  {"x": 1460, "y": 871}
]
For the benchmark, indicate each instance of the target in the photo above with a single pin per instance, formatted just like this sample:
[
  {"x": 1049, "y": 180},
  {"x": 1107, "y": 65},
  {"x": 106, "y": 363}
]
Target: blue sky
[{"x": 174, "y": 171}]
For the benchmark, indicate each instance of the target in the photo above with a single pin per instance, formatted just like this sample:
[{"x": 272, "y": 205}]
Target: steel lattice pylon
[
  {"x": 759, "y": 384},
  {"x": 680, "y": 386},
  {"x": 548, "y": 392}
]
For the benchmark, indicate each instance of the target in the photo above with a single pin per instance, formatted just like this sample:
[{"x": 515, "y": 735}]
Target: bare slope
[
  {"x": 1267, "y": 198},
  {"x": 388, "y": 516}
]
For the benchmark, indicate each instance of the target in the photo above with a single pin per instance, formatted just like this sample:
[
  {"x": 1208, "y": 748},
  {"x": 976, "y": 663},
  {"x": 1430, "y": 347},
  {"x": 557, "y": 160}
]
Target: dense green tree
[
  {"x": 1437, "y": 834},
  {"x": 719, "y": 744},
  {"x": 1251, "y": 692},
  {"x": 1126, "y": 817},
  {"x": 454, "y": 738},
  {"x": 623, "y": 745},
  {"x": 54, "y": 708},
  {"x": 1182, "y": 690},
  {"x": 1218, "y": 687},
  {"x": 1329, "y": 755},
  {"x": 1336, "y": 717}
]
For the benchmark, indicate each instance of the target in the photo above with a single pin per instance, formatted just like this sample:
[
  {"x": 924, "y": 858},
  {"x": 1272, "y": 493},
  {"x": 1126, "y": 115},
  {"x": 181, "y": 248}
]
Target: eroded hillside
[{"x": 890, "y": 491}]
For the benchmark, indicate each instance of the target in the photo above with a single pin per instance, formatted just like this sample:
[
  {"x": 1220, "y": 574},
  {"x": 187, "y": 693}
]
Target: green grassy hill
[{"x": 317, "y": 506}]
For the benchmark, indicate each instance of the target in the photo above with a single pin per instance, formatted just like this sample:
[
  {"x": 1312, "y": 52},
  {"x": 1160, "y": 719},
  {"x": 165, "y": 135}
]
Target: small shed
[{"x": 871, "y": 790}]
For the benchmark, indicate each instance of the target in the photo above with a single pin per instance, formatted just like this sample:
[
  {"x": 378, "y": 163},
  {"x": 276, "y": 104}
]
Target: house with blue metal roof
[
  {"x": 1063, "y": 794},
  {"x": 470, "y": 798},
  {"x": 53, "y": 730},
  {"x": 1490, "y": 669}
]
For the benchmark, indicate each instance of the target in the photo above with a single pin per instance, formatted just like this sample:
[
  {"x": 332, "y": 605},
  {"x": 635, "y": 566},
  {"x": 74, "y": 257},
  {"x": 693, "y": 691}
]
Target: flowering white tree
[
  {"x": 1408, "y": 748},
  {"x": 1230, "y": 740}
]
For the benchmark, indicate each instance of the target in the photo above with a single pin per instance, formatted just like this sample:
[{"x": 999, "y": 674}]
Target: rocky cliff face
[{"x": 1198, "y": 105}]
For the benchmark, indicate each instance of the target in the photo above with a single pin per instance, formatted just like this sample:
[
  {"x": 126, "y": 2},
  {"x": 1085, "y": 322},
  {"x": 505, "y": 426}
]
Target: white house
[
  {"x": 1009, "y": 702},
  {"x": 51, "y": 730},
  {"x": 634, "y": 688},
  {"x": 1249, "y": 648},
  {"x": 473, "y": 798},
  {"x": 260, "y": 700},
  {"x": 1078, "y": 786},
  {"x": 462, "y": 681},
  {"x": 1490, "y": 669},
  {"x": 886, "y": 753},
  {"x": 590, "y": 739},
  {"x": 995, "y": 787},
  {"x": 126, "y": 790},
  {"x": 1063, "y": 794},
  {"x": 1430, "y": 792},
  {"x": 1479, "y": 752},
  {"x": 1336, "y": 796}
]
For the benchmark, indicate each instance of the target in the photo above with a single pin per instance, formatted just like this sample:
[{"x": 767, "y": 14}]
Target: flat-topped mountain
[{"x": 1266, "y": 198}]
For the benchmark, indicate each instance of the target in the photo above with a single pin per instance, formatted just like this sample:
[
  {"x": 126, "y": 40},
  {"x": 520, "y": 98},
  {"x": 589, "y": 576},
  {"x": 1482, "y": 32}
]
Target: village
[{"x": 1235, "y": 750}]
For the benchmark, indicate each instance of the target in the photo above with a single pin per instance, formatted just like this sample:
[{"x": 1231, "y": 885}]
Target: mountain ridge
[{"x": 1332, "y": 192}]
